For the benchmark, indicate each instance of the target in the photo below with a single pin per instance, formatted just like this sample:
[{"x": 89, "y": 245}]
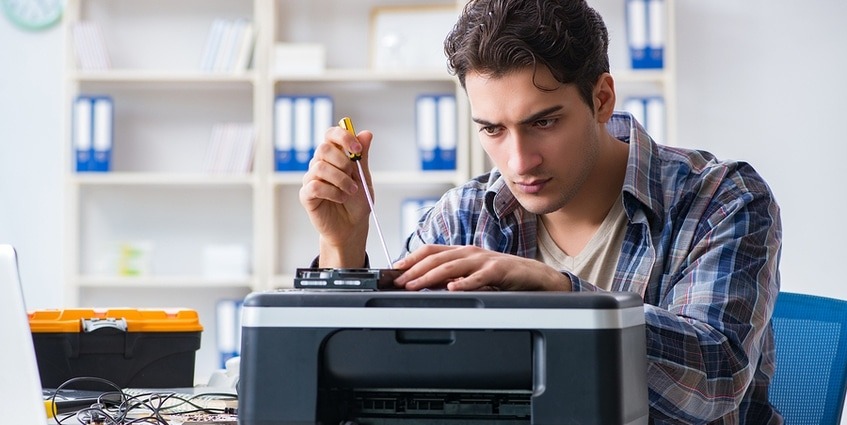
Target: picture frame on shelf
[{"x": 410, "y": 38}]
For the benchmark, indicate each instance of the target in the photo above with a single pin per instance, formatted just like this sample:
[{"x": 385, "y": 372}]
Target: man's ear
[{"x": 604, "y": 97}]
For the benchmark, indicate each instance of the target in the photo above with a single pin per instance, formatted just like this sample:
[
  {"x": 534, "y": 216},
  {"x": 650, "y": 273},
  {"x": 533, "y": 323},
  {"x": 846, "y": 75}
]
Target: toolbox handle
[{"x": 91, "y": 325}]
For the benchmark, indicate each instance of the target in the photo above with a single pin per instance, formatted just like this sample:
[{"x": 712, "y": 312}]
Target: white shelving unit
[
  {"x": 378, "y": 100},
  {"x": 164, "y": 110},
  {"x": 157, "y": 191}
]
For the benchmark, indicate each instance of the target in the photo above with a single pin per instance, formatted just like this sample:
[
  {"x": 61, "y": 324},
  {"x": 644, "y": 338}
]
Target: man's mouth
[{"x": 531, "y": 186}]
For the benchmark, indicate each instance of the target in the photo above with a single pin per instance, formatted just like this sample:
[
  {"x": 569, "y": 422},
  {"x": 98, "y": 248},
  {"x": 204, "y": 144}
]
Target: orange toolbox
[{"x": 133, "y": 348}]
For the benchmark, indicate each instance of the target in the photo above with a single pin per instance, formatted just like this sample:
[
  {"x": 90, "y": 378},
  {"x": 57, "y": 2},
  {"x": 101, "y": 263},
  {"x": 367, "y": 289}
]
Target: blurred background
[{"x": 757, "y": 80}]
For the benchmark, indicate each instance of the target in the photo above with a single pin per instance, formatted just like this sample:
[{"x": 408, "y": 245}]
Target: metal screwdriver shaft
[{"x": 347, "y": 124}]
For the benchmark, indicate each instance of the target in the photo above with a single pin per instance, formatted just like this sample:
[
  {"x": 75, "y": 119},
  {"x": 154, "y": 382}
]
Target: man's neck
[{"x": 574, "y": 225}]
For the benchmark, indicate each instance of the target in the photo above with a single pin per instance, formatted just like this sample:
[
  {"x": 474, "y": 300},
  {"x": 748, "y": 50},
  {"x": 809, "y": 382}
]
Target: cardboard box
[
  {"x": 299, "y": 59},
  {"x": 133, "y": 348}
]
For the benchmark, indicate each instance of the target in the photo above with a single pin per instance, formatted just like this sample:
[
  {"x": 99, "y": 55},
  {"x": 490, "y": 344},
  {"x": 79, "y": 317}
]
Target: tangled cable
[{"x": 127, "y": 407}]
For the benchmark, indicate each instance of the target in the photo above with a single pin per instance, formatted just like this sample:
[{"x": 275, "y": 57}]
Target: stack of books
[
  {"x": 93, "y": 118},
  {"x": 645, "y": 21},
  {"x": 229, "y": 46},
  {"x": 300, "y": 123},
  {"x": 436, "y": 127},
  {"x": 90, "y": 47},
  {"x": 650, "y": 112},
  {"x": 230, "y": 149}
]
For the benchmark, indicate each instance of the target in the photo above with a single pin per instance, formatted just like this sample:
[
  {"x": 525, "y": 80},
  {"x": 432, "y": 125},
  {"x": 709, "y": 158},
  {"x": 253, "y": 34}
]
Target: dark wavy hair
[{"x": 495, "y": 37}]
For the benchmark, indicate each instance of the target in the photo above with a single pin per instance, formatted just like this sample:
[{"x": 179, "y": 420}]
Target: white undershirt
[{"x": 598, "y": 260}]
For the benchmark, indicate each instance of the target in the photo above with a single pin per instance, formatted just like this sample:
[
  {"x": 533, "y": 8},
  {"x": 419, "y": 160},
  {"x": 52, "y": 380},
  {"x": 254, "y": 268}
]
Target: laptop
[
  {"x": 21, "y": 380},
  {"x": 21, "y": 383}
]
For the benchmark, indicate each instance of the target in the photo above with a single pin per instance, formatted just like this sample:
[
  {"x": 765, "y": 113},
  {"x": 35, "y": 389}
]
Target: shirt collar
[
  {"x": 499, "y": 200},
  {"x": 643, "y": 182}
]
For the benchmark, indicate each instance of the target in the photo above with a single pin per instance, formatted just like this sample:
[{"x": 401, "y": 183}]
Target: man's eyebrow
[
  {"x": 482, "y": 122},
  {"x": 528, "y": 120},
  {"x": 541, "y": 114}
]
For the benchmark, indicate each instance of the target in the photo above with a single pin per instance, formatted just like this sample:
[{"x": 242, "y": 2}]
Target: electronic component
[{"x": 346, "y": 279}]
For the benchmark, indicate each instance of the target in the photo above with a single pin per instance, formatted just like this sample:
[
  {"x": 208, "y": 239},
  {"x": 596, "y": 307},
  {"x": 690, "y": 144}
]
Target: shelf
[
  {"x": 384, "y": 177},
  {"x": 658, "y": 76},
  {"x": 161, "y": 282},
  {"x": 152, "y": 76},
  {"x": 366, "y": 75},
  {"x": 162, "y": 179}
]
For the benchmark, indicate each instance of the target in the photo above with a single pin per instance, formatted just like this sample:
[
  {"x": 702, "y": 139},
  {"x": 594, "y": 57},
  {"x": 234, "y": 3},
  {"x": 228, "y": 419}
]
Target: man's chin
[{"x": 537, "y": 205}]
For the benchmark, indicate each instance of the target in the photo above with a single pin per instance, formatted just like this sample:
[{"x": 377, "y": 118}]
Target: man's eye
[
  {"x": 545, "y": 123},
  {"x": 490, "y": 130}
]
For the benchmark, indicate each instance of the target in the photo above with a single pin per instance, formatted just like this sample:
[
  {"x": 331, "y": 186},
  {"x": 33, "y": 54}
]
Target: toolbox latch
[{"x": 91, "y": 325}]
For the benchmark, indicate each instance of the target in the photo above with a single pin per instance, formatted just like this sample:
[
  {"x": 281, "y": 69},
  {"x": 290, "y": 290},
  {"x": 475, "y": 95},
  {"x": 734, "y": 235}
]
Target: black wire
[
  {"x": 83, "y": 379},
  {"x": 152, "y": 402}
]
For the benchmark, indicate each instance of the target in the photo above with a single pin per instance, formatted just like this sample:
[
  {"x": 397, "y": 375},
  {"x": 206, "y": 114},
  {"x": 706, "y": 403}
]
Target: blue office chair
[{"x": 810, "y": 381}]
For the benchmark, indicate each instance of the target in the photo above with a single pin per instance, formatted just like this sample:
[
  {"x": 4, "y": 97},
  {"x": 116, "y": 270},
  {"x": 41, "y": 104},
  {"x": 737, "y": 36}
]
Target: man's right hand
[{"x": 334, "y": 200}]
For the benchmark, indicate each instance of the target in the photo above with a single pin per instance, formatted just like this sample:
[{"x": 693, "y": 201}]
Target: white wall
[
  {"x": 30, "y": 166},
  {"x": 758, "y": 80},
  {"x": 765, "y": 81}
]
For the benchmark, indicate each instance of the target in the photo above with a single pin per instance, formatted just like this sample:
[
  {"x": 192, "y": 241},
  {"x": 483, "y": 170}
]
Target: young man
[{"x": 582, "y": 199}]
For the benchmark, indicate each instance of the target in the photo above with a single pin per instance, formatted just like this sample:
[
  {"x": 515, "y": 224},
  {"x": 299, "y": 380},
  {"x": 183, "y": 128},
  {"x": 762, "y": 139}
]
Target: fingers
[
  {"x": 332, "y": 176},
  {"x": 344, "y": 140},
  {"x": 434, "y": 266},
  {"x": 470, "y": 268}
]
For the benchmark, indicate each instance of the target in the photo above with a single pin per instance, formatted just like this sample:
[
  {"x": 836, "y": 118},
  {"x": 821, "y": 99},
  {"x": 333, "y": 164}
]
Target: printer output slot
[{"x": 379, "y": 407}]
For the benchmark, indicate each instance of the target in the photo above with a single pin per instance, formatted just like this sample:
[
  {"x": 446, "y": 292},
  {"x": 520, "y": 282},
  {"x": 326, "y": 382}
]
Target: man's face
[{"x": 545, "y": 143}]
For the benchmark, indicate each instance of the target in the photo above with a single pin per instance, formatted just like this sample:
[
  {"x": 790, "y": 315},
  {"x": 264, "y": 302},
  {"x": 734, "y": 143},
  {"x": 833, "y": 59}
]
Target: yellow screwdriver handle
[{"x": 347, "y": 124}]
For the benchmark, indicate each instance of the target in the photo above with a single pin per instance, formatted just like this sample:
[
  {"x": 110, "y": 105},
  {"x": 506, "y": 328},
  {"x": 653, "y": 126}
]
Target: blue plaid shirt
[{"x": 702, "y": 248}]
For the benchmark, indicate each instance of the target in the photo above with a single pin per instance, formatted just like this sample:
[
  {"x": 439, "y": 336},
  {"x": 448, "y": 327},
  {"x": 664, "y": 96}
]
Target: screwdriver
[{"x": 347, "y": 124}]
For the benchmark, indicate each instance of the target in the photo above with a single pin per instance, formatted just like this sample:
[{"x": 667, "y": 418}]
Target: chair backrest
[{"x": 810, "y": 381}]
